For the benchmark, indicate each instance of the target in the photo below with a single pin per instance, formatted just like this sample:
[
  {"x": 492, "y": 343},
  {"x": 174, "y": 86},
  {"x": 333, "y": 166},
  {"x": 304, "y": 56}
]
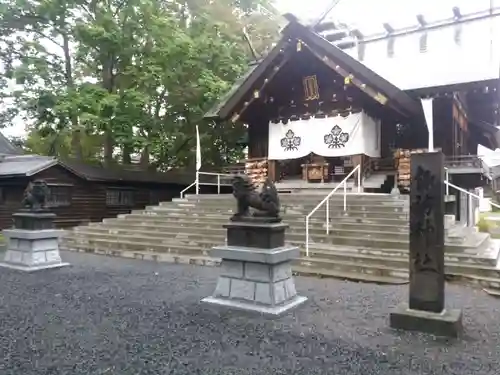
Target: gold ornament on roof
[
  {"x": 311, "y": 89},
  {"x": 235, "y": 117},
  {"x": 348, "y": 79}
]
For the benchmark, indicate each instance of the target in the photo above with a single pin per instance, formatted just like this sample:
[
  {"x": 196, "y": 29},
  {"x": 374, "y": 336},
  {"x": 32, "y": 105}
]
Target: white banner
[
  {"x": 329, "y": 137},
  {"x": 290, "y": 141},
  {"x": 429, "y": 117}
]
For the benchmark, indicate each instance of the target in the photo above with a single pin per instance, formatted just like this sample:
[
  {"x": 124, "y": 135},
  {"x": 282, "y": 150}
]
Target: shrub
[{"x": 483, "y": 225}]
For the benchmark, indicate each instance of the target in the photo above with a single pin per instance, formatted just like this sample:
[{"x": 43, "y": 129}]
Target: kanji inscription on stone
[{"x": 427, "y": 232}]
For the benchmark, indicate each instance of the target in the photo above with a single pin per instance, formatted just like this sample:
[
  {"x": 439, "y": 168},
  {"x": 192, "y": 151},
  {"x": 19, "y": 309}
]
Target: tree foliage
[{"x": 113, "y": 79}]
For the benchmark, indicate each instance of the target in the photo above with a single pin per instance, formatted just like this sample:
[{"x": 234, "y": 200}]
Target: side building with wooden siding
[{"x": 81, "y": 193}]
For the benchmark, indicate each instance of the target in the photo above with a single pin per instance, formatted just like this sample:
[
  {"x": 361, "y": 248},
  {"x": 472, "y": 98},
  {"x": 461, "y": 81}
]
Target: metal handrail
[
  {"x": 470, "y": 196},
  {"x": 186, "y": 189},
  {"x": 327, "y": 200},
  {"x": 197, "y": 182},
  {"x": 447, "y": 179}
]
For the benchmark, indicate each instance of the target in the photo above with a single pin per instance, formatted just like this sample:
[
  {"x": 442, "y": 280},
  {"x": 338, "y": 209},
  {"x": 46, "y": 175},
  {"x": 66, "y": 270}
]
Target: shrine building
[{"x": 325, "y": 100}]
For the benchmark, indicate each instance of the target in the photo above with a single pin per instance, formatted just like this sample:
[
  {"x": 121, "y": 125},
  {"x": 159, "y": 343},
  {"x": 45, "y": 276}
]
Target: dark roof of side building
[
  {"x": 13, "y": 163},
  {"x": 7, "y": 148},
  {"x": 122, "y": 174},
  {"x": 30, "y": 165}
]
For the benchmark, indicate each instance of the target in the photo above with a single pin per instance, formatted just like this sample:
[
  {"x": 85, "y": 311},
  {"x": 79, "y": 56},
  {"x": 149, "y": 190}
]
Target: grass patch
[
  {"x": 484, "y": 225},
  {"x": 489, "y": 226}
]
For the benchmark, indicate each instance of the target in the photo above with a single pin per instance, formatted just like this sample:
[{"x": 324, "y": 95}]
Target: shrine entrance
[
  {"x": 315, "y": 169},
  {"x": 322, "y": 149}
]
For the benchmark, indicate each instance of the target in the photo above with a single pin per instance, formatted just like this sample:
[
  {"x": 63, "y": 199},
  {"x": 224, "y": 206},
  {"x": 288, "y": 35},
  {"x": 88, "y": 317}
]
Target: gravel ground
[{"x": 115, "y": 316}]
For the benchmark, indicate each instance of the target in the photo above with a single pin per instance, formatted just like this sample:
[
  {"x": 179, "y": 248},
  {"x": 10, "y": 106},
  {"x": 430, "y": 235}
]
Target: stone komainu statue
[
  {"x": 266, "y": 202},
  {"x": 35, "y": 195}
]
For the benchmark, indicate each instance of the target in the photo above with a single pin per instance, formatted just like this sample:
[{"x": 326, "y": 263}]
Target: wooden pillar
[
  {"x": 271, "y": 170},
  {"x": 358, "y": 160}
]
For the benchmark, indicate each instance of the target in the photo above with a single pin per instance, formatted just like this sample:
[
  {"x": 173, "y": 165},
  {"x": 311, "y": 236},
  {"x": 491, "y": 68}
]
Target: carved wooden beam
[
  {"x": 349, "y": 78},
  {"x": 256, "y": 93}
]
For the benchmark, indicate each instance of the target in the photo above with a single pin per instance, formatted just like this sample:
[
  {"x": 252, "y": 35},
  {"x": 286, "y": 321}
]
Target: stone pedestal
[
  {"x": 256, "y": 272},
  {"x": 33, "y": 243},
  {"x": 426, "y": 310},
  {"x": 446, "y": 323}
]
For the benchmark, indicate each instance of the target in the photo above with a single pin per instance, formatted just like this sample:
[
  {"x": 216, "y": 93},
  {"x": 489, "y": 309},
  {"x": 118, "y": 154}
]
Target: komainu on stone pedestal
[
  {"x": 266, "y": 202},
  {"x": 35, "y": 196},
  {"x": 256, "y": 268},
  {"x": 33, "y": 243}
]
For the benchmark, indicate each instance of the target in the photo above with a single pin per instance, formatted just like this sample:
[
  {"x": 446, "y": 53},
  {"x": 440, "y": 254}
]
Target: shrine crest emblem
[
  {"x": 336, "y": 138},
  {"x": 290, "y": 142}
]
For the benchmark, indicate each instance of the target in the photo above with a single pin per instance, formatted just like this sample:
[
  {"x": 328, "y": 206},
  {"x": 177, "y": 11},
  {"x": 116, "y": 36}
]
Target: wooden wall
[
  {"x": 258, "y": 135},
  {"x": 11, "y": 197},
  {"x": 443, "y": 125}
]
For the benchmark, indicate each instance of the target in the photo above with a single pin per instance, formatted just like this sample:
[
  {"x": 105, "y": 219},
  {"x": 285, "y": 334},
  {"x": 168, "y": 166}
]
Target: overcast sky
[{"x": 367, "y": 15}]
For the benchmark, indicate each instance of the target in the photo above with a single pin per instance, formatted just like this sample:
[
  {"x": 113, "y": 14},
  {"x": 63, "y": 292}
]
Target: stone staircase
[{"x": 367, "y": 243}]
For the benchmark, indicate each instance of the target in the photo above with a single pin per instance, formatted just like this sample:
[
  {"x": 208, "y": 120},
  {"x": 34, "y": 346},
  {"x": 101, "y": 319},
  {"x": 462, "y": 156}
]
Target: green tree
[
  {"x": 135, "y": 75},
  {"x": 36, "y": 52}
]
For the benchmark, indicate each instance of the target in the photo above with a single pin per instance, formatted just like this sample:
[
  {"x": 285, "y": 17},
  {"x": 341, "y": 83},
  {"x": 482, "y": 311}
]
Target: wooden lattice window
[
  {"x": 59, "y": 195},
  {"x": 119, "y": 197}
]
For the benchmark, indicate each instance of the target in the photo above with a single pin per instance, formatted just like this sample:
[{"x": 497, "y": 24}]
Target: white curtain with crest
[{"x": 329, "y": 137}]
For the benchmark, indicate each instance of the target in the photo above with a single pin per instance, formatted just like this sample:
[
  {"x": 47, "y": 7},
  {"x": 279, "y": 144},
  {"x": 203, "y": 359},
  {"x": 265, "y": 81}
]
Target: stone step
[
  {"x": 286, "y": 215},
  {"x": 289, "y": 218},
  {"x": 208, "y": 261},
  {"x": 115, "y": 248},
  {"x": 292, "y": 203},
  {"x": 303, "y": 196},
  {"x": 316, "y": 234},
  {"x": 348, "y": 237},
  {"x": 383, "y": 210},
  {"x": 314, "y": 224},
  {"x": 369, "y": 278},
  {"x": 354, "y": 267},
  {"x": 207, "y": 226},
  {"x": 386, "y": 256},
  {"x": 320, "y": 245},
  {"x": 144, "y": 255},
  {"x": 224, "y": 218},
  {"x": 396, "y": 269},
  {"x": 169, "y": 236},
  {"x": 181, "y": 253},
  {"x": 356, "y": 238},
  {"x": 113, "y": 245}
]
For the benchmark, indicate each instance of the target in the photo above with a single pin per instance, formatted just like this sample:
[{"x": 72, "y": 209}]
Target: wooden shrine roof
[
  {"x": 374, "y": 85},
  {"x": 485, "y": 134}
]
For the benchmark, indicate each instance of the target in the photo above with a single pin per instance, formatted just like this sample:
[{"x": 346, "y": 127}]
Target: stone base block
[
  {"x": 32, "y": 250},
  {"x": 250, "y": 284},
  {"x": 448, "y": 323},
  {"x": 256, "y": 235},
  {"x": 263, "y": 309}
]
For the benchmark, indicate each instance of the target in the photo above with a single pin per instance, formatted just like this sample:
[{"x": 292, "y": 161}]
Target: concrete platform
[
  {"x": 252, "y": 307},
  {"x": 20, "y": 267},
  {"x": 448, "y": 323}
]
